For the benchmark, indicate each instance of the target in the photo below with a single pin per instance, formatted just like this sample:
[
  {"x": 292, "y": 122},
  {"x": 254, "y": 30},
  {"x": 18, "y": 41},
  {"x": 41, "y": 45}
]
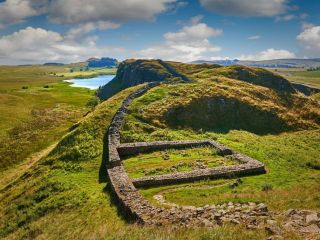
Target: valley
[{"x": 37, "y": 109}]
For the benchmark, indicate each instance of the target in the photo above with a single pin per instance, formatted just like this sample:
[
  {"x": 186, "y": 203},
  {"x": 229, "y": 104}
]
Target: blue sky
[{"x": 74, "y": 30}]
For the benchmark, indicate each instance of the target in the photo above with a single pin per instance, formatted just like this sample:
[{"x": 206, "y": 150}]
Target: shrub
[
  {"x": 93, "y": 102},
  {"x": 25, "y": 87},
  {"x": 267, "y": 187}
]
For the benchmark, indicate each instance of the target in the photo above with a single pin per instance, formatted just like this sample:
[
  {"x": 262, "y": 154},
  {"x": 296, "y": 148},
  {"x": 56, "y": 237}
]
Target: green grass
[
  {"x": 173, "y": 160},
  {"x": 61, "y": 197},
  {"x": 311, "y": 78},
  {"x": 65, "y": 195},
  {"x": 291, "y": 155},
  {"x": 223, "y": 102},
  {"x": 37, "y": 109},
  {"x": 287, "y": 158},
  {"x": 92, "y": 72}
]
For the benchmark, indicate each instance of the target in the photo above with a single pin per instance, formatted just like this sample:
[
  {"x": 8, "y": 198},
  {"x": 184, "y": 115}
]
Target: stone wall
[
  {"x": 136, "y": 207},
  {"x": 140, "y": 147},
  {"x": 249, "y": 168}
]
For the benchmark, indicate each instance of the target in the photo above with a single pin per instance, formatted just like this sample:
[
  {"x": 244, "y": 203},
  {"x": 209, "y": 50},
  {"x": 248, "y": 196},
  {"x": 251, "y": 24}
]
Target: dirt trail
[{"x": 8, "y": 177}]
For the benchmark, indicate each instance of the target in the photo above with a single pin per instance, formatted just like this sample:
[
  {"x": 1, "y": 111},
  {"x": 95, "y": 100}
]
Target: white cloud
[
  {"x": 86, "y": 28},
  {"x": 285, "y": 18},
  {"x": 269, "y": 54},
  {"x": 188, "y": 44},
  {"x": 306, "y": 25},
  {"x": 247, "y": 7},
  {"x": 14, "y": 11},
  {"x": 309, "y": 40},
  {"x": 289, "y": 17},
  {"x": 37, "y": 45},
  {"x": 254, "y": 37},
  {"x": 82, "y": 11}
]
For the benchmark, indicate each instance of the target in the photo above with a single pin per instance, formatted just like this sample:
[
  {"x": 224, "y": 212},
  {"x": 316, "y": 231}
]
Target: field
[
  {"x": 37, "y": 109},
  {"x": 88, "y": 73},
  {"x": 310, "y": 78}
]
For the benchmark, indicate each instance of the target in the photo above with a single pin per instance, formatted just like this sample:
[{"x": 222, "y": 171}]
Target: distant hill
[
  {"x": 53, "y": 64},
  {"x": 276, "y": 63},
  {"x": 103, "y": 62}
]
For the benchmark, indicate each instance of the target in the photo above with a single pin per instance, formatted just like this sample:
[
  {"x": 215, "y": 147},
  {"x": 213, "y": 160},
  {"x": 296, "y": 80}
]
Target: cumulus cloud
[
  {"x": 247, "y": 7},
  {"x": 14, "y": 11},
  {"x": 37, "y": 45},
  {"x": 188, "y": 44},
  {"x": 269, "y": 54},
  {"x": 81, "y": 11},
  {"x": 309, "y": 40}
]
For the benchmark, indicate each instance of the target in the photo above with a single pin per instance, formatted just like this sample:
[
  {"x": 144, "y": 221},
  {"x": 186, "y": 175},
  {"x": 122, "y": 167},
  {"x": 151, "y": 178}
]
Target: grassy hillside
[
  {"x": 62, "y": 197},
  {"x": 310, "y": 78},
  {"x": 134, "y": 72},
  {"x": 65, "y": 195},
  {"x": 278, "y": 128},
  {"x": 36, "y": 108}
]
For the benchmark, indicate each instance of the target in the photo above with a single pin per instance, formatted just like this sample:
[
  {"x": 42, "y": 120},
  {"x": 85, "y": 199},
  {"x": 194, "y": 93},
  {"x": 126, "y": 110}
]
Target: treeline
[{"x": 314, "y": 69}]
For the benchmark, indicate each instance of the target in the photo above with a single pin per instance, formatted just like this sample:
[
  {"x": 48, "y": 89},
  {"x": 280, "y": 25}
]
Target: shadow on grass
[
  {"x": 222, "y": 115},
  {"x": 103, "y": 174},
  {"x": 121, "y": 211}
]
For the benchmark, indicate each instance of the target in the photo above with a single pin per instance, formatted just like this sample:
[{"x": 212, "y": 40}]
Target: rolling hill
[
  {"x": 276, "y": 63},
  {"x": 254, "y": 111}
]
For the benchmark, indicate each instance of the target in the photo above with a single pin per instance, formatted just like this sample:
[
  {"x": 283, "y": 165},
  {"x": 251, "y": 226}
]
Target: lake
[{"x": 92, "y": 83}]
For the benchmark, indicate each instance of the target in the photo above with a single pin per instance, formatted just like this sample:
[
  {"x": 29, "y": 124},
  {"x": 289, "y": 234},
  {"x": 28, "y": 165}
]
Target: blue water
[{"x": 92, "y": 83}]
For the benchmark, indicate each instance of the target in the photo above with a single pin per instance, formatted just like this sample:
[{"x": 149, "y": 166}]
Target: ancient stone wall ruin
[{"x": 135, "y": 206}]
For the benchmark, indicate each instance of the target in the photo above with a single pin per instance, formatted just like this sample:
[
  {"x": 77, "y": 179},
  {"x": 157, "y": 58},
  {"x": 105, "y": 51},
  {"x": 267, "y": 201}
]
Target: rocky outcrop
[
  {"x": 134, "y": 72},
  {"x": 306, "y": 90}
]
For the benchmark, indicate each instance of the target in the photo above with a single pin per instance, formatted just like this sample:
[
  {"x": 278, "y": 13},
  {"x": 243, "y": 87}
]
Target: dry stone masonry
[{"x": 139, "y": 209}]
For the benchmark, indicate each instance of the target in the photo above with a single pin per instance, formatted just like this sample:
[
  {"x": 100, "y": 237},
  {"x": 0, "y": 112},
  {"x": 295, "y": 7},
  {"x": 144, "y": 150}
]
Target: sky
[{"x": 39, "y": 31}]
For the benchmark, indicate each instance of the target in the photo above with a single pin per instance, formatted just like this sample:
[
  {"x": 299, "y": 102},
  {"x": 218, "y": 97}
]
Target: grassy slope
[
  {"x": 61, "y": 197},
  {"x": 311, "y": 78},
  {"x": 32, "y": 116},
  {"x": 291, "y": 158},
  {"x": 133, "y": 72}
]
